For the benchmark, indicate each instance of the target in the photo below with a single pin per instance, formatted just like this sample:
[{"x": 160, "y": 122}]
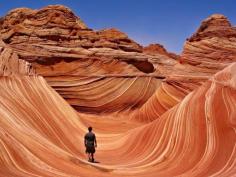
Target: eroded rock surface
[
  {"x": 155, "y": 49},
  {"x": 213, "y": 46},
  {"x": 71, "y": 56},
  {"x": 165, "y": 115},
  {"x": 42, "y": 135},
  {"x": 11, "y": 65}
]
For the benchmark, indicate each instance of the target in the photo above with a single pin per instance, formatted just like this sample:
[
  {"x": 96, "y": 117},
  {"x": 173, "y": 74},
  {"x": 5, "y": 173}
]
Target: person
[{"x": 90, "y": 143}]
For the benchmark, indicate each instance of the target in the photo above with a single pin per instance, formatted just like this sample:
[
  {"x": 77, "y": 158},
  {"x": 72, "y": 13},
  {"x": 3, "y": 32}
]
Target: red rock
[
  {"x": 213, "y": 46},
  {"x": 59, "y": 46},
  {"x": 153, "y": 49},
  {"x": 11, "y": 65},
  {"x": 43, "y": 135},
  {"x": 153, "y": 115}
]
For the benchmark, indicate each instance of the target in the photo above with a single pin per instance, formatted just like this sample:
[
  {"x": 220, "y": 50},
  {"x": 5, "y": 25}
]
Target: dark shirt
[{"x": 89, "y": 139}]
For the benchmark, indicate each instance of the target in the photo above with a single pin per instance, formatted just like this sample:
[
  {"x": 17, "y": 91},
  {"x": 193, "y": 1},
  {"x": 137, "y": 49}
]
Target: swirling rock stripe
[
  {"x": 40, "y": 132},
  {"x": 104, "y": 94},
  {"x": 41, "y": 135},
  {"x": 197, "y": 137}
]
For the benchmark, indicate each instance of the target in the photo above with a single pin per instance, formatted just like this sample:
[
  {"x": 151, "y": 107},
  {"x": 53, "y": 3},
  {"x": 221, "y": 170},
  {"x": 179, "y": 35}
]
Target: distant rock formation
[
  {"x": 213, "y": 46},
  {"x": 154, "y": 49},
  {"x": 35, "y": 31}
]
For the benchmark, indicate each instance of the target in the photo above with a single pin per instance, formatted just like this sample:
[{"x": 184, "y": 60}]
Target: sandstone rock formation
[
  {"x": 10, "y": 64},
  {"x": 71, "y": 57},
  {"x": 42, "y": 135},
  {"x": 154, "y": 113},
  {"x": 213, "y": 46},
  {"x": 154, "y": 49},
  {"x": 208, "y": 51},
  {"x": 63, "y": 50}
]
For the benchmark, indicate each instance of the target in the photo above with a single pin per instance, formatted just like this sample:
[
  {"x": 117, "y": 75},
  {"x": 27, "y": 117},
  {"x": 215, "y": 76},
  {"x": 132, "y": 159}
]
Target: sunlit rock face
[
  {"x": 209, "y": 50},
  {"x": 188, "y": 139},
  {"x": 155, "y": 49},
  {"x": 11, "y": 65}
]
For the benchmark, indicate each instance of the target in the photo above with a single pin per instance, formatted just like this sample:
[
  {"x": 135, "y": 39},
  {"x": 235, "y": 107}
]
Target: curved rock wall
[{"x": 42, "y": 135}]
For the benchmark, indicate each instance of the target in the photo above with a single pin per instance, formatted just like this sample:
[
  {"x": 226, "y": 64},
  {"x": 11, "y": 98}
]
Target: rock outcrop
[
  {"x": 11, "y": 65},
  {"x": 156, "y": 49},
  {"x": 213, "y": 46},
  {"x": 209, "y": 50}
]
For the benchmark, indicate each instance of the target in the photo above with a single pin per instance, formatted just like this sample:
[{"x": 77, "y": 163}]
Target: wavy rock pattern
[
  {"x": 34, "y": 115},
  {"x": 108, "y": 94},
  {"x": 170, "y": 93},
  {"x": 190, "y": 132},
  {"x": 213, "y": 46},
  {"x": 67, "y": 53},
  {"x": 36, "y": 131},
  {"x": 166, "y": 115}
]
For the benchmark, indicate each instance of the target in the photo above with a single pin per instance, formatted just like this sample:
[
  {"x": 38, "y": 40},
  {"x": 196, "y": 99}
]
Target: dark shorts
[{"x": 90, "y": 149}]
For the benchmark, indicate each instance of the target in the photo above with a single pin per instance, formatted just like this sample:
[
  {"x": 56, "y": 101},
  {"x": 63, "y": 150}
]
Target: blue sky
[{"x": 168, "y": 22}]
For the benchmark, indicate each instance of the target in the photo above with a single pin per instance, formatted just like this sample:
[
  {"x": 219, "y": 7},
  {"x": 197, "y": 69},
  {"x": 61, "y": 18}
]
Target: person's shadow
[
  {"x": 77, "y": 161},
  {"x": 94, "y": 161}
]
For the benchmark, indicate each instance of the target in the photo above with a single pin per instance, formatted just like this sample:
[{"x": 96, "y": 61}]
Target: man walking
[{"x": 90, "y": 143}]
